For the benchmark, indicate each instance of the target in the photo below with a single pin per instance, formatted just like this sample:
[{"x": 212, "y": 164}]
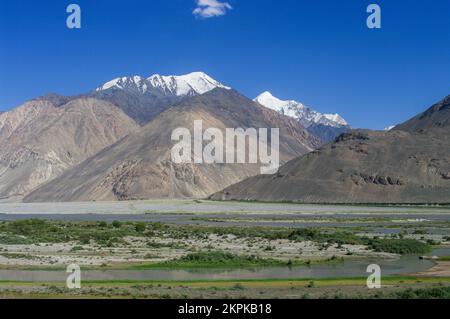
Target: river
[{"x": 348, "y": 268}]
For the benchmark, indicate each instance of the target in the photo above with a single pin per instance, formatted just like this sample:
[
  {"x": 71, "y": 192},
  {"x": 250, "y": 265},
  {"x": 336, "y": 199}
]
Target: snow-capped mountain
[
  {"x": 136, "y": 83},
  {"x": 183, "y": 85},
  {"x": 144, "y": 98},
  {"x": 326, "y": 126},
  {"x": 304, "y": 114}
]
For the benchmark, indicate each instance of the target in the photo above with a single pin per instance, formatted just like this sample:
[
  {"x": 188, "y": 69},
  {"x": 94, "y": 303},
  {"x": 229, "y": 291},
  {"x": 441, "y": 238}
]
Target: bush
[
  {"x": 426, "y": 293},
  {"x": 140, "y": 227},
  {"x": 102, "y": 224},
  {"x": 395, "y": 246},
  {"x": 399, "y": 246},
  {"x": 40, "y": 231},
  {"x": 116, "y": 224},
  {"x": 218, "y": 259}
]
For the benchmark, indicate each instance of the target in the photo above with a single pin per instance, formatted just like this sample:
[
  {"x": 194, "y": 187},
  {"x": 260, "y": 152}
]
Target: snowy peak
[
  {"x": 184, "y": 85},
  {"x": 167, "y": 84},
  {"x": 267, "y": 98},
  {"x": 123, "y": 83},
  {"x": 334, "y": 118},
  {"x": 305, "y": 115},
  {"x": 288, "y": 108},
  {"x": 188, "y": 84}
]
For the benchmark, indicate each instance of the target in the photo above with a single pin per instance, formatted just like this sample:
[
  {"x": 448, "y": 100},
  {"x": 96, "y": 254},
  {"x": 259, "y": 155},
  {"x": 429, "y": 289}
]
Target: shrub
[
  {"x": 102, "y": 224},
  {"x": 399, "y": 246},
  {"x": 116, "y": 224},
  {"x": 426, "y": 293},
  {"x": 140, "y": 227}
]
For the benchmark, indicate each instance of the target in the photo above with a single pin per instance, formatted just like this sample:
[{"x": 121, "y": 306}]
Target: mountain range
[
  {"x": 408, "y": 164},
  {"x": 140, "y": 166},
  {"x": 114, "y": 143},
  {"x": 143, "y": 99},
  {"x": 127, "y": 123}
]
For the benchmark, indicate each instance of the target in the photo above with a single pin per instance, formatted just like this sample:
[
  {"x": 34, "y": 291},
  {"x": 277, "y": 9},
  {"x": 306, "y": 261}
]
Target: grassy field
[{"x": 393, "y": 288}]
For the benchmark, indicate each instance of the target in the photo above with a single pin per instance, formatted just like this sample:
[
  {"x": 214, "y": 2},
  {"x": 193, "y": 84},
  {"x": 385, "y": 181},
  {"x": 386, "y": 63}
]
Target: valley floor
[{"x": 204, "y": 249}]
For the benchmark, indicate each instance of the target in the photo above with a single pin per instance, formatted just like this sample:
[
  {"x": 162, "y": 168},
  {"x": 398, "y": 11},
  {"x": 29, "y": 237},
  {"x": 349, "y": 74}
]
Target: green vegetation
[
  {"x": 13, "y": 239},
  {"x": 220, "y": 259},
  {"x": 444, "y": 258},
  {"x": 389, "y": 245},
  {"x": 399, "y": 246},
  {"x": 150, "y": 245},
  {"x": 140, "y": 227},
  {"x": 17, "y": 256},
  {"x": 424, "y": 293},
  {"x": 116, "y": 224},
  {"x": 34, "y": 231},
  {"x": 215, "y": 259},
  {"x": 395, "y": 287}
]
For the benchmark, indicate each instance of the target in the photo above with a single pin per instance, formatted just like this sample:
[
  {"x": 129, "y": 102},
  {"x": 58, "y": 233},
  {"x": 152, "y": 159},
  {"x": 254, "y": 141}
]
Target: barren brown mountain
[
  {"x": 43, "y": 137},
  {"x": 437, "y": 116},
  {"x": 140, "y": 107},
  {"x": 410, "y": 164},
  {"x": 140, "y": 166}
]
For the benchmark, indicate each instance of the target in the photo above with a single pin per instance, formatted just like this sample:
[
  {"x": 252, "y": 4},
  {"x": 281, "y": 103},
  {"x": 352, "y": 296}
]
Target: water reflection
[{"x": 348, "y": 268}]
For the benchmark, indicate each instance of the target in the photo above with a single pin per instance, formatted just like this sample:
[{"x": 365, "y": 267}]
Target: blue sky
[{"x": 318, "y": 52}]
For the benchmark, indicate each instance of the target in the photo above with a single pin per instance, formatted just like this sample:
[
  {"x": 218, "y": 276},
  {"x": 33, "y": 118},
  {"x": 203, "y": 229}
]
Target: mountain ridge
[
  {"x": 39, "y": 139},
  {"x": 33, "y": 155},
  {"x": 180, "y": 85},
  {"x": 139, "y": 166},
  {"x": 143, "y": 99},
  {"x": 410, "y": 164},
  {"x": 326, "y": 126},
  {"x": 298, "y": 110}
]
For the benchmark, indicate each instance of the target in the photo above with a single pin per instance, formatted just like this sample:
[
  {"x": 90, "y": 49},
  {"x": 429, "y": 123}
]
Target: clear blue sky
[{"x": 318, "y": 52}]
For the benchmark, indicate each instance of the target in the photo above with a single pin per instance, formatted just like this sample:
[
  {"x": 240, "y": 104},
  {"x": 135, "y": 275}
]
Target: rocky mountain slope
[
  {"x": 140, "y": 165},
  {"x": 437, "y": 116},
  {"x": 43, "y": 137},
  {"x": 410, "y": 164}
]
